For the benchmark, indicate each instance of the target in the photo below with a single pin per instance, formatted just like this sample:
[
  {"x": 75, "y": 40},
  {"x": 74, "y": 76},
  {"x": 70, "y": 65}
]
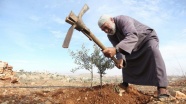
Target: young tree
[
  {"x": 86, "y": 61},
  {"x": 83, "y": 60},
  {"x": 101, "y": 62}
]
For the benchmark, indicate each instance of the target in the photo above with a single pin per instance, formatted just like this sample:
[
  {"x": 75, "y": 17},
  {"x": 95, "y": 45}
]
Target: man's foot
[
  {"x": 124, "y": 85},
  {"x": 162, "y": 92}
]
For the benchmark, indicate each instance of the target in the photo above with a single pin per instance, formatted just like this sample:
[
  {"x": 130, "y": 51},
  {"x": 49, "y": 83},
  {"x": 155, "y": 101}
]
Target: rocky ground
[{"x": 46, "y": 88}]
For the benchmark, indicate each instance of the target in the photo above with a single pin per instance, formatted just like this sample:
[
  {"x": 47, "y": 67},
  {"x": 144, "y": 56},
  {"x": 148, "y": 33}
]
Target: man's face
[{"x": 109, "y": 27}]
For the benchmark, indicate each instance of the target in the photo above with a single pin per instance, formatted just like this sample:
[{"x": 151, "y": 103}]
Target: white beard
[{"x": 113, "y": 29}]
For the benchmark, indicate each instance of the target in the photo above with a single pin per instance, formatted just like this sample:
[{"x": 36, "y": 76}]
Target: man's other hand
[{"x": 119, "y": 64}]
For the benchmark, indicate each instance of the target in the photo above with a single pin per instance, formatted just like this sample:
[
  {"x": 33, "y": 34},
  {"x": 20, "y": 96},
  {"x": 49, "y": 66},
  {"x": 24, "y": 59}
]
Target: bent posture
[{"x": 136, "y": 47}]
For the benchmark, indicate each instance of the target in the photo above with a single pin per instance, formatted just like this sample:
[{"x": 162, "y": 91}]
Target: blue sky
[{"x": 32, "y": 31}]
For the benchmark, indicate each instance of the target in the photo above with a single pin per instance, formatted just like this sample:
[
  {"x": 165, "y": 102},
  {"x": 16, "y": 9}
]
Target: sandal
[
  {"x": 163, "y": 95},
  {"x": 162, "y": 92}
]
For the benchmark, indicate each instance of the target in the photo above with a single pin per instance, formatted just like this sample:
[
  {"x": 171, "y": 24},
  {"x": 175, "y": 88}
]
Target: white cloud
[
  {"x": 174, "y": 48},
  {"x": 57, "y": 34},
  {"x": 58, "y": 20},
  {"x": 150, "y": 12},
  {"x": 20, "y": 40},
  {"x": 183, "y": 33},
  {"x": 174, "y": 56}
]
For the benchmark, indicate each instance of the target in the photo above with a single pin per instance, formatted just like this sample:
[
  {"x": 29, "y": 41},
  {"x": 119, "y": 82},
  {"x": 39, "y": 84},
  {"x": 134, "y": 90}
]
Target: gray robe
[{"x": 139, "y": 45}]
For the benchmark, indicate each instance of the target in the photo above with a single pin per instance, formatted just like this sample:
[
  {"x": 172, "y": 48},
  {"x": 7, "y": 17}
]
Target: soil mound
[
  {"x": 78, "y": 95},
  {"x": 97, "y": 95}
]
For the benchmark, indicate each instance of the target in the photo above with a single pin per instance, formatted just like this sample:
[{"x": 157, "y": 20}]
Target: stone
[{"x": 179, "y": 95}]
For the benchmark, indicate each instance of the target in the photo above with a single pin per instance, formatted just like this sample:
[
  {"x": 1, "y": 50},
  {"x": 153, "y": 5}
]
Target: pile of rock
[{"x": 6, "y": 72}]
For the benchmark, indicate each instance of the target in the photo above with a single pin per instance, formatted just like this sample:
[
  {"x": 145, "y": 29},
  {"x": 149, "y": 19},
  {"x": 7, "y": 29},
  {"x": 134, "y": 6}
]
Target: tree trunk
[
  {"x": 91, "y": 77},
  {"x": 101, "y": 79}
]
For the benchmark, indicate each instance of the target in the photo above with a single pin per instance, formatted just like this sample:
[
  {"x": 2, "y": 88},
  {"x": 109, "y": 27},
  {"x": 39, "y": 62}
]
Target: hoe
[{"x": 77, "y": 23}]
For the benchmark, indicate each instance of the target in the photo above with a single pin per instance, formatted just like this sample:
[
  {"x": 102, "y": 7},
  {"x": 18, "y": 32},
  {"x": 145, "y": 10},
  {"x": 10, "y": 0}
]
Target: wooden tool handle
[{"x": 101, "y": 45}]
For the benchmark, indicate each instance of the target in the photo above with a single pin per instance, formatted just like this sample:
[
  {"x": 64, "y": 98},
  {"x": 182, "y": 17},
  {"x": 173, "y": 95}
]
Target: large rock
[
  {"x": 4, "y": 66},
  {"x": 6, "y": 72},
  {"x": 179, "y": 95}
]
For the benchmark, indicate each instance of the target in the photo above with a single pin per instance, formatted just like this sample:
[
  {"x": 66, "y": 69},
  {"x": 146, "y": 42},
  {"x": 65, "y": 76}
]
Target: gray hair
[{"x": 103, "y": 19}]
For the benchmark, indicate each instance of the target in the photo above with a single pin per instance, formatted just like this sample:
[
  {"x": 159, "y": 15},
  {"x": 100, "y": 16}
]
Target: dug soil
[
  {"x": 46, "y": 88},
  {"x": 107, "y": 94}
]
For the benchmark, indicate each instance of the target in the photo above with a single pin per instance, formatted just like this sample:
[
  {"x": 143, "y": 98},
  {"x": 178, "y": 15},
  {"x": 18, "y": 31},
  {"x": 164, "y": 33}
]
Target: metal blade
[{"x": 68, "y": 37}]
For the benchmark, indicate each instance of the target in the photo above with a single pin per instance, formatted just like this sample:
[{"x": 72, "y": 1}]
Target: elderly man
[{"x": 137, "y": 52}]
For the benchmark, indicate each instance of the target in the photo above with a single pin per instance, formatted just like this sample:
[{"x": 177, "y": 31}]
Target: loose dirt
[
  {"x": 38, "y": 88},
  {"x": 108, "y": 94}
]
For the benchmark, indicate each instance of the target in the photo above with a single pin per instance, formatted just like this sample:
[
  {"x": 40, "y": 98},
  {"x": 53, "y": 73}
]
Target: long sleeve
[
  {"x": 127, "y": 28},
  {"x": 114, "y": 42}
]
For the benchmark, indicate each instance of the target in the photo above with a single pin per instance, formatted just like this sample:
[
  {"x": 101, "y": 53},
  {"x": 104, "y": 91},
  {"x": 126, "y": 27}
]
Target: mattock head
[
  {"x": 76, "y": 23},
  {"x": 68, "y": 37}
]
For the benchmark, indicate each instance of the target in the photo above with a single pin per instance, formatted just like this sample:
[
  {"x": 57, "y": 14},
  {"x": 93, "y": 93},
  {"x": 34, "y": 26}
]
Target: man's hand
[
  {"x": 109, "y": 52},
  {"x": 119, "y": 64}
]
